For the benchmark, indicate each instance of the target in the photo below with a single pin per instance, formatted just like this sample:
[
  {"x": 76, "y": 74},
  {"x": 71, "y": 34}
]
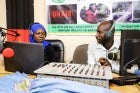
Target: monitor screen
[
  {"x": 27, "y": 57},
  {"x": 129, "y": 51}
]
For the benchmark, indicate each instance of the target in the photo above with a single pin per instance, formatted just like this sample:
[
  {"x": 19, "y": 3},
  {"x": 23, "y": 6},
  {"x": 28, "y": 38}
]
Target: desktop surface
[{"x": 121, "y": 89}]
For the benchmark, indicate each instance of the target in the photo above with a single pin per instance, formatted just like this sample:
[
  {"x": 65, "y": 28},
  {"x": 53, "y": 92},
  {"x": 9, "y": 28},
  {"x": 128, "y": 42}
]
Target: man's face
[
  {"x": 101, "y": 30},
  {"x": 39, "y": 36}
]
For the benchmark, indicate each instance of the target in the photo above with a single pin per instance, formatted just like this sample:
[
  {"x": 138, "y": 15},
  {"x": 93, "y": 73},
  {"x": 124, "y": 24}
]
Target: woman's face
[{"x": 39, "y": 36}]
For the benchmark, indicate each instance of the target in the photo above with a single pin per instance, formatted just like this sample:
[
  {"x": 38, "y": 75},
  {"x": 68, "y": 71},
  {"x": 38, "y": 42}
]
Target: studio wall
[{"x": 40, "y": 13}]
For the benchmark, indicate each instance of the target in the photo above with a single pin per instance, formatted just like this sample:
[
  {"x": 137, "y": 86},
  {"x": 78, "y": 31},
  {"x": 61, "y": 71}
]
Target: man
[{"x": 98, "y": 50}]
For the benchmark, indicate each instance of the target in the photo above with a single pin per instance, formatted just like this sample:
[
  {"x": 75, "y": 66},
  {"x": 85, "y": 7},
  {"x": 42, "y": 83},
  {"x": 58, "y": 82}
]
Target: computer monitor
[
  {"x": 27, "y": 57},
  {"x": 129, "y": 50}
]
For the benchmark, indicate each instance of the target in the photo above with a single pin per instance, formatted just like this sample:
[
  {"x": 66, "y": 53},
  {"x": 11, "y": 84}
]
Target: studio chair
[
  {"x": 58, "y": 49},
  {"x": 80, "y": 54}
]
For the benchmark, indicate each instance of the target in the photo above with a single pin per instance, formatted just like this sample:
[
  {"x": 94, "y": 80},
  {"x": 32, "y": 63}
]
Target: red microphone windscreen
[{"x": 8, "y": 52}]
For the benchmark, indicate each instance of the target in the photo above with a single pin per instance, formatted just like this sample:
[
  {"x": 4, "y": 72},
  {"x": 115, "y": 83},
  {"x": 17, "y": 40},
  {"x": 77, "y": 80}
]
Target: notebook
[{"x": 27, "y": 57}]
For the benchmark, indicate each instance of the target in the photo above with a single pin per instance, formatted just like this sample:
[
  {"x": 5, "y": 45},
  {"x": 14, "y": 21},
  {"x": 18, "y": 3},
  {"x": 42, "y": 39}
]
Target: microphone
[
  {"x": 8, "y": 52},
  {"x": 114, "y": 56}
]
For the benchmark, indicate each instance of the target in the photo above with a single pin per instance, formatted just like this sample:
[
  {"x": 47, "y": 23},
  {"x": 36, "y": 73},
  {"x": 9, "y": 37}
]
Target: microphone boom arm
[{"x": 16, "y": 34}]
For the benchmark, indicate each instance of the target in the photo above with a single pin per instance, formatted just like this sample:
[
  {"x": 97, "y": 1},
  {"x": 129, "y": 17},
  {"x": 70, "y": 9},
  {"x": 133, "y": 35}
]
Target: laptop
[{"x": 27, "y": 57}]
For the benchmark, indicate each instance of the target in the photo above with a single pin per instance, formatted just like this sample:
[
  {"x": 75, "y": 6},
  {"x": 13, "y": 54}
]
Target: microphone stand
[
  {"x": 16, "y": 34},
  {"x": 3, "y": 33}
]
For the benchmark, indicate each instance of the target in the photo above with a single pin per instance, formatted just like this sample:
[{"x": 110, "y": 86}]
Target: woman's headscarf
[{"x": 33, "y": 28}]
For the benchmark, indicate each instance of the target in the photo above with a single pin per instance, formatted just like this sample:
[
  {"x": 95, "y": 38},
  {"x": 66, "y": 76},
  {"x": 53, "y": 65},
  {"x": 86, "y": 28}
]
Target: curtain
[{"x": 20, "y": 13}]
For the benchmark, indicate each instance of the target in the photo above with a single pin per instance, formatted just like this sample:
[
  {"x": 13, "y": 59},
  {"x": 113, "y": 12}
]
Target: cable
[
  {"x": 124, "y": 68},
  {"x": 42, "y": 64}
]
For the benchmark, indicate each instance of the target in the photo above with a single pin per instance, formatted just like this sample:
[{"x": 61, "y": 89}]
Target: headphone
[
  {"x": 109, "y": 33},
  {"x": 30, "y": 28}
]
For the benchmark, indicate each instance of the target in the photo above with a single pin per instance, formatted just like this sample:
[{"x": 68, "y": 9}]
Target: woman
[{"x": 38, "y": 35}]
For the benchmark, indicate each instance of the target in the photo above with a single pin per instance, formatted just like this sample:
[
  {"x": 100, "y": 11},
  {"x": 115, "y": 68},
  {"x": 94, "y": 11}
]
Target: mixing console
[{"x": 85, "y": 73}]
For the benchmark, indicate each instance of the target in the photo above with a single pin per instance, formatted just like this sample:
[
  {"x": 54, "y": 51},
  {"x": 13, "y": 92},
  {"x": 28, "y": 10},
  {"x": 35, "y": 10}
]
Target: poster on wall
[{"x": 81, "y": 17}]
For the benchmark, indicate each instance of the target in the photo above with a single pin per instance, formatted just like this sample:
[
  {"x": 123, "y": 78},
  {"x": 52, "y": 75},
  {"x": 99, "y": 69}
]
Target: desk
[
  {"x": 3, "y": 72},
  {"x": 124, "y": 89},
  {"x": 121, "y": 89}
]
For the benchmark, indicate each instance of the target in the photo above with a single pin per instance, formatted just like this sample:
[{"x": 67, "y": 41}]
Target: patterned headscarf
[{"x": 33, "y": 28}]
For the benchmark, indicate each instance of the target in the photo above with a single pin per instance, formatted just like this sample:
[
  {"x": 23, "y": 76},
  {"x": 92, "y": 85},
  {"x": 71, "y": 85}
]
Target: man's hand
[{"x": 104, "y": 62}]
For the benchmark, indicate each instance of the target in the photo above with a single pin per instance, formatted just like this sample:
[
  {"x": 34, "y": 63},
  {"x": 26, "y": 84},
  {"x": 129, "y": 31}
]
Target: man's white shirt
[{"x": 96, "y": 51}]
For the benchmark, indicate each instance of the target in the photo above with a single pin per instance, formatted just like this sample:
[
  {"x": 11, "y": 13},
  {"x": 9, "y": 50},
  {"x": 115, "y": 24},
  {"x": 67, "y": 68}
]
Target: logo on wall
[{"x": 58, "y": 1}]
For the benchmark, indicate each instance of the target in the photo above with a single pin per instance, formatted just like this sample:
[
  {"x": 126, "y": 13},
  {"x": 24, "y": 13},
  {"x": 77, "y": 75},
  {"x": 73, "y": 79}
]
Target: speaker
[
  {"x": 30, "y": 28},
  {"x": 109, "y": 33}
]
